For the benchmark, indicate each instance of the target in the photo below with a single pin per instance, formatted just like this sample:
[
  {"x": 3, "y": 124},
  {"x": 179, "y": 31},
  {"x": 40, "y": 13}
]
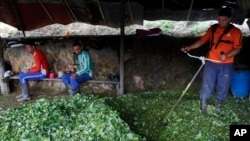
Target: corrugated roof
[{"x": 31, "y": 14}]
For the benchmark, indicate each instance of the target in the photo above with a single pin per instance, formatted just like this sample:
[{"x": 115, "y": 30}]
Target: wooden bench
[{"x": 89, "y": 81}]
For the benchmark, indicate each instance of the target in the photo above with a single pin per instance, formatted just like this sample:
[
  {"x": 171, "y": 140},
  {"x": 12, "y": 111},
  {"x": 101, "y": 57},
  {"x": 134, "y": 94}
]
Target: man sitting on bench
[
  {"x": 83, "y": 70},
  {"x": 38, "y": 72}
]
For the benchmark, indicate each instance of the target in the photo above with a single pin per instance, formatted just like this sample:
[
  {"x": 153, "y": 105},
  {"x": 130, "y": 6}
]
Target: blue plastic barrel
[{"x": 240, "y": 84}]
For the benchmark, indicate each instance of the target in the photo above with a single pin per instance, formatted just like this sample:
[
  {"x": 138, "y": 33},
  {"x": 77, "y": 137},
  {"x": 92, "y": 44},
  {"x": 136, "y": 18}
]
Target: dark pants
[
  {"x": 76, "y": 81},
  {"x": 216, "y": 76}
]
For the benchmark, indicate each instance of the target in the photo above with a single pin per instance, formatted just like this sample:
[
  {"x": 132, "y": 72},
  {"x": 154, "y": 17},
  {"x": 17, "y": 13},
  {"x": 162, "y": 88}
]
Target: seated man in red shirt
[{"x": 38, "y": 72}]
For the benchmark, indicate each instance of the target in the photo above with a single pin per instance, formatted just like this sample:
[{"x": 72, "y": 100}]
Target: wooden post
[
  {"x": 5, "y": 89},
  {"x": 121, "y": 90}
]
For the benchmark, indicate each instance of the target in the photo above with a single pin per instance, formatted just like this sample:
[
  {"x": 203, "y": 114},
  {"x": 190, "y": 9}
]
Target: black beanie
[
  {"x": 76, "y": 43},
  {"x": 225, "y": 12}
]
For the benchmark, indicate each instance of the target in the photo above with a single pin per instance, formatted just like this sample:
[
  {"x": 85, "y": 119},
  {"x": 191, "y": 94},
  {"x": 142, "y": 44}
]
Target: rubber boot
[
  {"x": 21, "y": 95},
  {"x": 218, "y": 105},
  {"x": 25, "y": 90},
  {"x": 69, "y": 89},
  {"x": 203, "y": 106}
]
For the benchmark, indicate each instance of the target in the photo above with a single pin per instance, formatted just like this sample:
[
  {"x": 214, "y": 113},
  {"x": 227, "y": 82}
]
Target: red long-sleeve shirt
[{"x": 41, "y": 63}]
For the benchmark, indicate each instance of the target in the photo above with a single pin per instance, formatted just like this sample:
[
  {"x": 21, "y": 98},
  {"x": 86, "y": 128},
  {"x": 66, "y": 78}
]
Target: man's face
[
  {"x": 30, "y": 48},
  {"x": 77, "y": 49},
  {"x": 224, "y": 21}
]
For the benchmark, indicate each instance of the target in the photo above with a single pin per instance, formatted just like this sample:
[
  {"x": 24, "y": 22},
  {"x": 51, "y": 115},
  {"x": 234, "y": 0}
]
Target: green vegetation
[
  {"x": 146, "y": 115},
  {"x": 132, "y": 117},
  {"x": 79, "y": 118}
]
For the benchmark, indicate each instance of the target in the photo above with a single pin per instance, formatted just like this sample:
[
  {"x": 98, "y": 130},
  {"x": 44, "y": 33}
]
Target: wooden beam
[
  {"x": 190, "y": 9},
  {"x": 17, "y": 16},
  {"x": 101, "y": 11},
  {"x": 130, "y": 12},
  {"x": 163, "y": 4},
  {"x": 46, "y": 10},
  {"x": 70, "y": 10},
  {"x": 5, "y": 89}
]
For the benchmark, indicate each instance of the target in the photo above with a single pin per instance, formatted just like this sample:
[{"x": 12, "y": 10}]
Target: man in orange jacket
[
  {"x": 38, "y": 72},
  {"x": 223, "y": 47}
]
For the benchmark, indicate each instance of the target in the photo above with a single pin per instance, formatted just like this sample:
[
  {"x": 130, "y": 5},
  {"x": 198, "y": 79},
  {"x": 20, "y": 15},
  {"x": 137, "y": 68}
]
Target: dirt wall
[
  {"x": 150, "y": 63},
  {"x": 59, "y": 54}
]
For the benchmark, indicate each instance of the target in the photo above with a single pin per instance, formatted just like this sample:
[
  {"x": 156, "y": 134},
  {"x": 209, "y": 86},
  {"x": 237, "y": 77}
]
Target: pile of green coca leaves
[
  {"x": 67, "y": 119},
  {"x": 146, "y": 113},
  {"x": 131, "y": 117}
]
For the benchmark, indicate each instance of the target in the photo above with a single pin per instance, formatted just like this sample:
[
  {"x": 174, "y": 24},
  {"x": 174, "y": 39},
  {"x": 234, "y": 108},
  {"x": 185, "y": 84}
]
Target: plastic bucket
[
  {"x": 240, "y": 84},
  {"x": 51, "y": 75}
]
